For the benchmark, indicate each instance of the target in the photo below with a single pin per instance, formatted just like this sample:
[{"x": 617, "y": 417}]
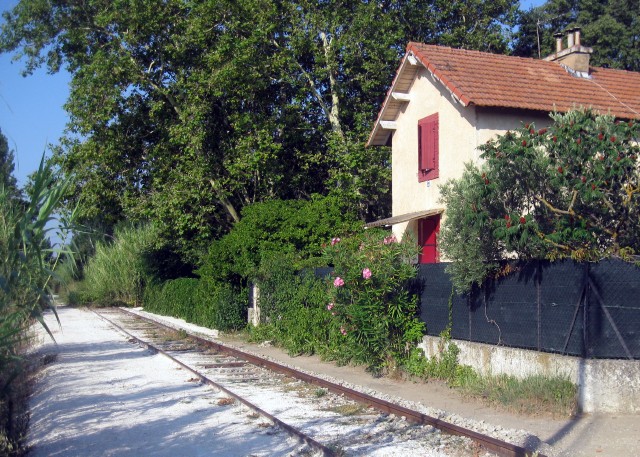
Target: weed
[
  {"x": 181, "y": 334},
  {"x": 320, "y": 393},
  {"x": 539, "y": 394},
  {"x": 349, "y": 409}
]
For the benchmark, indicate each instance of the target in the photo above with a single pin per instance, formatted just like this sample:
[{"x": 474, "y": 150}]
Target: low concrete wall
[{"x": 611, "y": 386}]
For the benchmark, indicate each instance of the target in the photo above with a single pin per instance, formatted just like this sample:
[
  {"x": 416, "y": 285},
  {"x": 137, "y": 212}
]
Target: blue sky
[{"x": 31, "y": 108}]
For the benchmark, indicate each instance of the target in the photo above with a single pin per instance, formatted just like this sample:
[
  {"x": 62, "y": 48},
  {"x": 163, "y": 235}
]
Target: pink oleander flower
[
  {"x": 338, "y": 282},
  {"x": 390, "y": 239},
  {"x": 343, "y": 331},
  {"x": 366, "y": 273},
  {"x": 330, "y": 306},
  {"x": 335, "y": 241}
]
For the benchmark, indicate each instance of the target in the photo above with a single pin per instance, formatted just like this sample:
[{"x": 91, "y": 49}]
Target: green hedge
[
  {"x": 200, "y": 302},
  {"x": 292, "y": 307}
]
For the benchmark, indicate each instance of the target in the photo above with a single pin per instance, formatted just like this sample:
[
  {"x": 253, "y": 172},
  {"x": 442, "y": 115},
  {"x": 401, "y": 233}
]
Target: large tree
[
  {"x": 610, "y": 27},
  {"x": 184, "y": 112}
]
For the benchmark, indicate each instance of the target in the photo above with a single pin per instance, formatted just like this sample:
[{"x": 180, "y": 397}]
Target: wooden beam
[
  {"x": 401, "y": 96},
  {"x": 389, "y": 125}
]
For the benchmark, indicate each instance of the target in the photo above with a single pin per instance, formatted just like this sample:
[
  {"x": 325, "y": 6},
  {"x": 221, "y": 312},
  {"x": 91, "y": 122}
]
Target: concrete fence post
[{"x": 254, "y": 309}]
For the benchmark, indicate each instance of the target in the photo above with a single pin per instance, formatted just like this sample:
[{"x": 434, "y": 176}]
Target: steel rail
[
  {"x": 499, "y": 447},
  {"x": 326, "y": 451}
]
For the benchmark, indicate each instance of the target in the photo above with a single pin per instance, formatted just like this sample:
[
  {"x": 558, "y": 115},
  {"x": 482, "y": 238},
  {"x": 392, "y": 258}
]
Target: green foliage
[
  {"x": 445, "y": 366},
  {"x": 292, "y": 307},
  {"x": 571, "y": 190},
  {"x": 117, "y": 273},
  {"x": 372, "y": 306},
  {"x": 184, "y": 112},
  {"x": 368, "y": 321},
  {"x": 295, "y": 227},
  {"x": 463, "y": 236},
  {"x": 177, "y": 298},
  {"x": 556, "y": 396},
  {"x": 611, "y": 28},
  {"x": 26, "y": 271},
  {"x": 7, "y": 181},
  {"x": 196, "y": 301}
]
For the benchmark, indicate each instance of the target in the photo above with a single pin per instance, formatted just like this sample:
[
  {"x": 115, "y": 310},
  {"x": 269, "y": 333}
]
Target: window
[{"x": 428, "y": 148}]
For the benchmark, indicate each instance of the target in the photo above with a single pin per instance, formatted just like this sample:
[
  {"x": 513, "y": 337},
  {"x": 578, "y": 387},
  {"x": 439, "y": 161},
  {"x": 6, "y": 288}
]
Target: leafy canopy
[
  {"x": 296, "y": 228},
  {"x": 183, "y": 112},
  {"x": 610, "y": 27}
]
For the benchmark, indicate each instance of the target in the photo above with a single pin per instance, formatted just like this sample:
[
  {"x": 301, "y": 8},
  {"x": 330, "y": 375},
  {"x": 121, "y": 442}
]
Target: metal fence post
[
  {"x": 538, "y": 294},
  {"x": 585, "y": 309}
]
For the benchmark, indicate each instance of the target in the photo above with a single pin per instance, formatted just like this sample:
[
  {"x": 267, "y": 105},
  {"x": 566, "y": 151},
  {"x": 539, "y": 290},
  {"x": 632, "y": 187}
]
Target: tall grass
[
  {"x": 27, "y": 266},
  {"x": 117, "y": 273}
]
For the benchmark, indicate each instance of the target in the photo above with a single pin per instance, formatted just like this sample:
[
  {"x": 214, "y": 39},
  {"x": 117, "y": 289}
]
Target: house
[{"x": 445, "y": 102}]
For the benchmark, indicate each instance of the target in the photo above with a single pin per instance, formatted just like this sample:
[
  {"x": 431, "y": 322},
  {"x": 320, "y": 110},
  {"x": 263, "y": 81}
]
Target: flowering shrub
[
  {"x": 371, "y": 307},
  {"x": 567, "y": 191}
]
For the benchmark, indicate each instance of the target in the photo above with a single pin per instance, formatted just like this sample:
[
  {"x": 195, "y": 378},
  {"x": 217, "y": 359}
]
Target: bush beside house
[{"x": 571, "y": 190}]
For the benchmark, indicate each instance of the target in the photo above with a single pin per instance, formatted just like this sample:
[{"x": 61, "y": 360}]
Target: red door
[{"x": 428, "y": 228}]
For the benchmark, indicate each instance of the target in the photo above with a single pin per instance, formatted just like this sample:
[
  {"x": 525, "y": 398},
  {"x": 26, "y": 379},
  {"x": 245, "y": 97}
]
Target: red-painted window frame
[
  {"x": 428, "y": 229},
  {"x": 428, "y": 148}
]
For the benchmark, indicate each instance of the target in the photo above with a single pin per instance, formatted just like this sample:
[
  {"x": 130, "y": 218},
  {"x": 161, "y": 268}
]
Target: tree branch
[
  {"x": 334, "y": 118},
  {"x": 330, "y": 112},
  {"x": 225, "y": 202},
  {"x": 553, "y": 209}
]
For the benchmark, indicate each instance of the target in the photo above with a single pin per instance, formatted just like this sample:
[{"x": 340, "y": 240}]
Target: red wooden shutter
[
  {"x": 427, "y": 232},
  {"x": 428, "y": 148}
]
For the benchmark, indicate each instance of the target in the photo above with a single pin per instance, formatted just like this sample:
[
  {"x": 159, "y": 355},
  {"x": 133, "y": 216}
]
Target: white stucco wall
[{"x": 461, "y": 131}]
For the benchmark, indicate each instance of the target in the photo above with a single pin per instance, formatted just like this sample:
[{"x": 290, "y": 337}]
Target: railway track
[{"x": 240, "y": 375}]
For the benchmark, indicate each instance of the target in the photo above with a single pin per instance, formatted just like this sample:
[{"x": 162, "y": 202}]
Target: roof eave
[{"x": 376, "y": 126}]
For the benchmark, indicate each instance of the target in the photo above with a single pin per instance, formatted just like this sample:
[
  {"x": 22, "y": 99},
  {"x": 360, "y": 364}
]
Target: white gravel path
[{"x": 104, "y": 396}]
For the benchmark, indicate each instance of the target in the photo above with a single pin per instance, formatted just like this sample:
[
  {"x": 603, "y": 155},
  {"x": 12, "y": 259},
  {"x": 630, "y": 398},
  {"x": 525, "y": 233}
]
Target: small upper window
[{"x": 428, "y": 148}]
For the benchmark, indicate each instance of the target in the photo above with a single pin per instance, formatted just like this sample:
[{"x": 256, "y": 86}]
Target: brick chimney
[{"x": 574, "y": 57}]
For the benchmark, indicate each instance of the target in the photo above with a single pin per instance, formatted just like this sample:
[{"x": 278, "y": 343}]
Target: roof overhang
[
  {"x": 404, "y": 218},
  {"x": 398, "y": 95},
  {"x": 396, "y": 99}
]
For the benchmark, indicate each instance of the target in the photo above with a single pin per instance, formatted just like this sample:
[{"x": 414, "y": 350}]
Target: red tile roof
[{"x": 492, "y": 80}]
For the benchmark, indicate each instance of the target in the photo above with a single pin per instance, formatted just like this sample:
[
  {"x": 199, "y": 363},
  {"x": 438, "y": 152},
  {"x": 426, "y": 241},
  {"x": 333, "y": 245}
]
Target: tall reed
[
  {"x": 117, "y": 273},
  {"x": 27, "y": 266}
]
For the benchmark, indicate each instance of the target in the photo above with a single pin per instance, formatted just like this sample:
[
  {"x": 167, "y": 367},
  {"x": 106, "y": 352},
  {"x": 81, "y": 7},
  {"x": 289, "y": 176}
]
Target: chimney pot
[
  {"x": 558, "y": 37},
  {"x": 576, "y": 35},
  {"x": 569, "y": 33},
  {"x": 575, "y": 57}
]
